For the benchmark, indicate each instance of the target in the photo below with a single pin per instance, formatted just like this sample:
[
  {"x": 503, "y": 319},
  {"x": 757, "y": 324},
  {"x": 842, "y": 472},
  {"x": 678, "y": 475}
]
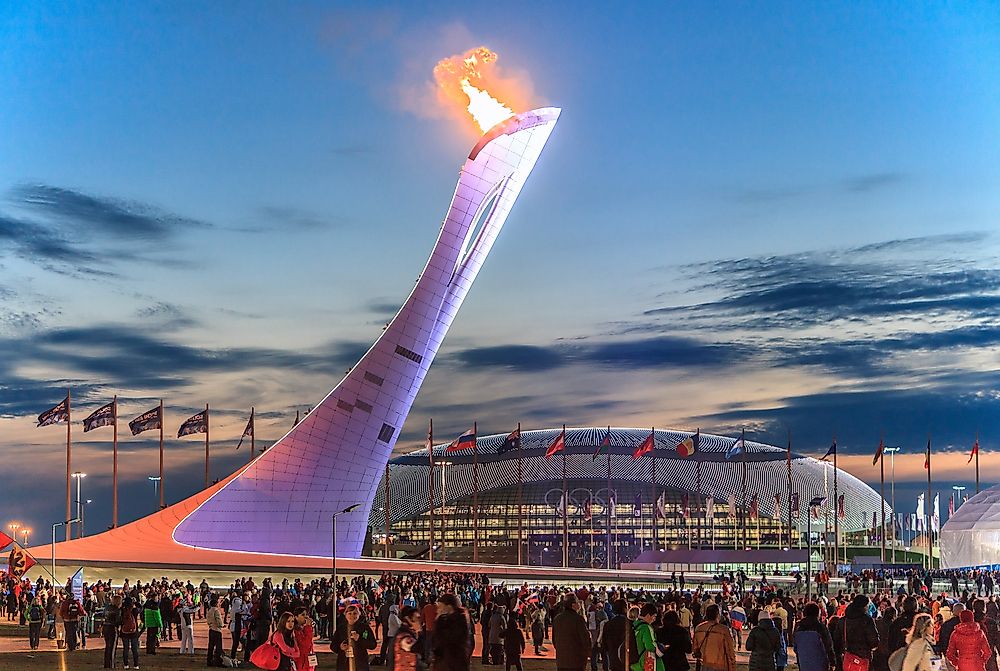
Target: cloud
[
  {"x": 515, "y": 357},
  {"x": 295, "y": 218},
  {"x": 873, "y": 182}
]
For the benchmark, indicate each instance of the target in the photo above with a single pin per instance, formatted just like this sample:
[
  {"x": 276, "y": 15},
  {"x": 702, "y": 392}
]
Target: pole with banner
[
  {"x": 388, "y": 500},
  {"x": 208, "y": 477},
  {"x": 880, "y": 455},
  {"x": 927, "y": 527},
  {"x": 475, "y": 493},
  {"x": 788, "y": 467},
  {"x": 69, "y": 465},
  {"x": 520, "y": 498},
  {"x": 430, "y": 483}
]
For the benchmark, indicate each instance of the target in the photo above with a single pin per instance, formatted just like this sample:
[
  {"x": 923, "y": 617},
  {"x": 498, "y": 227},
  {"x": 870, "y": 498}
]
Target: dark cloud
[
  {"x": 514, "y": 357},
  {"x": 277, "y": 217},
  {"x": 383, "y": 307},
  {"x": 91, "y": 215},
  {"x": 50, "y": 250},
  {"x": 873, "y": 182}
]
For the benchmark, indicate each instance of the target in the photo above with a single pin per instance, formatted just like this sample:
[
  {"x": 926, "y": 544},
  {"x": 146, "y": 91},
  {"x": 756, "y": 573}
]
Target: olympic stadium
[{"x": 520, "y": 492}]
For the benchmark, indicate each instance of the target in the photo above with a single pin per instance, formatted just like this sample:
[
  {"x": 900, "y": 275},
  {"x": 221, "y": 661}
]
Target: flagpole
[
  {"x": 253, "y": 434},
  {"x": 565, "y": 502},
  {"x": 114, "y": 470},
  {"x": 161, "y": 454},
  {"x": 430, "y": 485},
  {"x": 520, "y": 498},
  {"x": 656, "y": 501},
  {"x": 836, "y": 516},
  {"x": 611, "y": 497},
  {"x": 930, "y": 532},
  {"x": 475, "y": 493},
  {"x": 385, "y": 550},
  {"x": 701, "y": 512},
  {"x": 206, "y": 453},
  {"x": 977, "y": 462},
  {"x": 881, "y": 468},
  {"x": 69, "y": 465},
  {"x": 788, "y": 466},
  {"x": 743, "y": 487}
]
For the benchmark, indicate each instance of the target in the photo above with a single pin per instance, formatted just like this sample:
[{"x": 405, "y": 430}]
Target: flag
[
  {"x": 777, "y": 506},
  {"x": 685, "y": 506},
  {"x": 737, "y": 448},
  {"x": 788, "y": 451},
  {"x": 936, "y": 514},
  {"x": 637, "y": 506},
  {"x": 975, "y": 451},
  {"x": 103, "y": 416},
  {"x": 832, "y": 450},
  {"x": 645, "y": 447},
  {"x": 908, "y": 523},
  {"x": 605, "y": 442},
  {"x": 5, "y": 540},
  {"x": 55, "y": 415},
  {"x": 710, "y": 508},
  {"x": 689, "y": 445},
  {"x": 613, "y": 503},
  {"x": 247, "y": 432},
  {"x": 197, "y": 423},
  {"x": 920, "y": 506},
  {"x": 511, "y": 442},
  {"x": 817, "y": 501},
  {"x": 588, "y": 514},
  {"x": 795, "y": 503},
  {"x": 151, "y": 419},
  {"x": 19, "y": 562},
  {"x": 927, "y": 456},
  {"x": 463, "y": 442},
  {"x": 878, "y": 452},
  {"x": 841, "y": 512},
  {"x": 754, "y": 508},
  {"x": 561, "y": 508},
  {"x": 557, "y": 446},
  {"x": 296, "y": 422},
  {"x": 661, "y": 506},
  {"x": 732, "y": 506},
  {"x": 951, "y": 506}
]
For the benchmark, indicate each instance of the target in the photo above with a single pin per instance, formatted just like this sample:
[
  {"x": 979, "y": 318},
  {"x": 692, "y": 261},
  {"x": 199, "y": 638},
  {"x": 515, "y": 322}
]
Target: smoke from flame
[{"x": 467, "y": 80}]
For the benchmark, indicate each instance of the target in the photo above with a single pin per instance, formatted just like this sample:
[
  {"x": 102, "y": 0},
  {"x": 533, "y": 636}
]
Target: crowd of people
[{"x": 432, "y": 620}]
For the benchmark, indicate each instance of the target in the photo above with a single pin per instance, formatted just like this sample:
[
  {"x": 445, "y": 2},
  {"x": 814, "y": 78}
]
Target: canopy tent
[{"x": 971, "y": 537}]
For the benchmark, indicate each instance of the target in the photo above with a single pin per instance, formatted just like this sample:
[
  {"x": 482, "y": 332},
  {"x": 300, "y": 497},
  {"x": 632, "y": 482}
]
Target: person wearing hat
[{"x": 968, "y": 648}]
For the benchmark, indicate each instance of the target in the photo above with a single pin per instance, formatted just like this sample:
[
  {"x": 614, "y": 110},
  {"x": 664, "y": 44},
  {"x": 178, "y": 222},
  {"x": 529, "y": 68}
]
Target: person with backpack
[
  {"x": 109, "y": 630},
  {"x": 71, "y": 612},
  {"x": 129, "y": 632},
  {"x": 35, "y": 614}
]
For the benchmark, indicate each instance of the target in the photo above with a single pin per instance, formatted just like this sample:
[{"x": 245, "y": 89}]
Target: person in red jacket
[
  {"x": 304, "y": 640},
  {"x": 71, "y": 611},
  {"x": 968, "y": 648}
]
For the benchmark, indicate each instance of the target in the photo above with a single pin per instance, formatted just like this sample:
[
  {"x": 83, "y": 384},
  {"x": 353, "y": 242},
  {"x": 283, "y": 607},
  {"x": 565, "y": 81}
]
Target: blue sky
[{"x": 771, "y": 216}]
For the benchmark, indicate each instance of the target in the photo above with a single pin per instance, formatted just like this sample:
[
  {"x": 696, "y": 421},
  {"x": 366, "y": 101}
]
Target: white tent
[{"x": 971, "y": 537}]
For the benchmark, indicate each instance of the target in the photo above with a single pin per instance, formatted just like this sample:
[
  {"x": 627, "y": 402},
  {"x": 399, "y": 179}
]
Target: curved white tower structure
[{"x": 283, "y": 502}]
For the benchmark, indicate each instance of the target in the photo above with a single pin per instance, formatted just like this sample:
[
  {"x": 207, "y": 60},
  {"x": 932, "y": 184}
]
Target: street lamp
[
  {"x": 14, "y": 526},
  {"x": 444, "y": 528},
  {"x": 155, "y": 479},
  {"x": 25, "y": 532},
  {"x": 83, "y": 508},
  {"x": 79, "y": 509},
  {"x": 349, "y": 509},
  {"x": 958, "y": 495},
  {"x": 892, "y": 497},
  {"x": 54, "y": 527}
]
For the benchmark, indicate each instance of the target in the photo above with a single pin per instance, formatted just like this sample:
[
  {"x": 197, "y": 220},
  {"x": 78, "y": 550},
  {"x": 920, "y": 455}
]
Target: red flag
[
  {"x": 646, "y": 447},
  {"x": 754, "y": 507},
  {"x": 878, "y": 452},
  {"x": 975, "y": 451},
  {"x": 951, "y": 506},
  {"x": 841, "y": 511},
  {"x": 5, "y": 540},
  {"x": 927, "y": 456},
  {"x": 19, "y": 562},
  {"x": 464, "y": 442},
  {"x": 557, "y": 446}
]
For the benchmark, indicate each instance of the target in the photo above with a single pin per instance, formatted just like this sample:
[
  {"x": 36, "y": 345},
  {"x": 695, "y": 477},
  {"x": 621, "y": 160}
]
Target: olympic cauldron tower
[{"x": 282, "y": 503}]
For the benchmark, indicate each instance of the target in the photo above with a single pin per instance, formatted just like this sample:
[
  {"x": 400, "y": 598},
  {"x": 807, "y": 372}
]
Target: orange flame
[{"x": 460, "y": 80}]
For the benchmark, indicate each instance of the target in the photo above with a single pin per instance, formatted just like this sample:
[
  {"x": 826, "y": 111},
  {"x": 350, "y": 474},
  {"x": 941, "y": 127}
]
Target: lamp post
[
  {"x": 83, "y": 508},
  {"x": 444, "y": 527},
  {"x": 349, "y": 509},
  {"x": 958, "y": 495},
  {"x": 892, "y": 495},
  {"x": 25, "y": 532},
  {"x": 14, "y": 526},
  {"x": 54, "y": 527},
  {"x": 155, "y": 479},
  {"x": 78, "y": 476}
]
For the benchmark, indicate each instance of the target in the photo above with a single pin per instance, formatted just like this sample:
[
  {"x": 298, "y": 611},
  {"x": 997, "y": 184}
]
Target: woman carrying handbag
[{"x": 280, "y": 651}]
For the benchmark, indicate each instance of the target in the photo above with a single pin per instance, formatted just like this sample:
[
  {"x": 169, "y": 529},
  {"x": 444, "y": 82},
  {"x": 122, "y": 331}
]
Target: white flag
[
  {"x": 732, "y": 505},
  {"x": 777, "y": 506},
  {"x": 936, "y": 519},
  {"x": 710, "y": 508}
]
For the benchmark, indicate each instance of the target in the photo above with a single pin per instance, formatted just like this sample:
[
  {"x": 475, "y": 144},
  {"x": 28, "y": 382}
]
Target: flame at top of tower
[{"x": 463, "y": 79}]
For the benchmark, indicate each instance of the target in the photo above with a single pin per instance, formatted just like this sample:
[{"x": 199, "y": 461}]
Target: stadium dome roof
[
  {"x": 766, "y": 471},
  {"x": 971, "y": 537}
]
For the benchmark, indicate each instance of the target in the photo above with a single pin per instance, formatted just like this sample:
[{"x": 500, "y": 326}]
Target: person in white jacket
[
  {"x": 187, "y": 612},
  {"x": 919, "y": 647},
  {"x": 239, "y": 613}
]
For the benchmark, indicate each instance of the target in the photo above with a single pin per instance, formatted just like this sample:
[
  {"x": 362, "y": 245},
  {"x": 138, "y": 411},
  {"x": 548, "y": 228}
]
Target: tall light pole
[
  {"x": 25, "y": 532},
  {"x": 444, "y": 527},
  {"x": 83, "y": 508},
  {"x": 14, "y": 526},
  {"x": 958, "y": 495},
  {"x": 78, "y": 476},
  {"x": 349, "y": 509},
  {"x": 54, "y": 527},
  {"x": 155, "y": 479},
  {"x": 892, "y": 496}
]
